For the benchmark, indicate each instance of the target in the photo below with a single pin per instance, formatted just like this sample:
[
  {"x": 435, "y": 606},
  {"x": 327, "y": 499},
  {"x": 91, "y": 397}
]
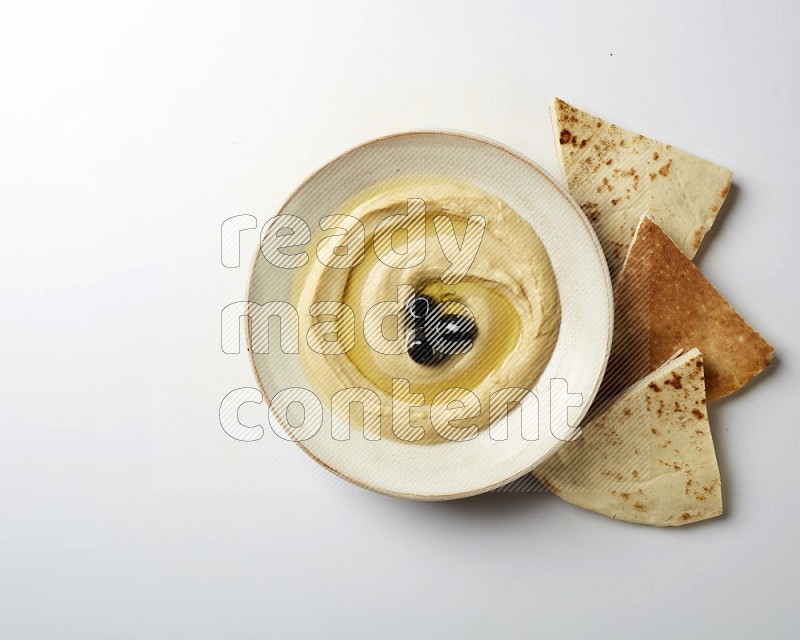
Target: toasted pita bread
[
  {"x": 616, "y": 175},
  {"x": 649, "y": 457},
  {"x": 664, "y": 304}
]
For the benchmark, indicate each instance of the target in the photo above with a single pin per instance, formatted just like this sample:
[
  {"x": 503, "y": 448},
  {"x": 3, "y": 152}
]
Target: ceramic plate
[{"x": 452, "y": 469}]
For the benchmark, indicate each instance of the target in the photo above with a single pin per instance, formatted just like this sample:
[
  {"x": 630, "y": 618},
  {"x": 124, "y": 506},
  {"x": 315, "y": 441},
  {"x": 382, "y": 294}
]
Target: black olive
[
  {"x": 418, "y": 308},
  {"x": 421, "y": 351},
  {"x": 452, "y": 333}
]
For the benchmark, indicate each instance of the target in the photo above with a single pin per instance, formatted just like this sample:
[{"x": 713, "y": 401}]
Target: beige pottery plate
[{"x": 454, "y": 469}]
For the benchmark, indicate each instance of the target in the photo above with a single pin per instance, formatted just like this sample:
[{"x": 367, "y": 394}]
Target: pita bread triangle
[
  {"x": 648, "y": 457},
  {"x": 664, "y": 304},
  {"x": 616, "y": 175}
]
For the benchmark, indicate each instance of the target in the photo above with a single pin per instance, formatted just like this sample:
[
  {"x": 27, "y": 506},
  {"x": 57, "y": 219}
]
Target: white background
[{"x": 129, "y": 132}]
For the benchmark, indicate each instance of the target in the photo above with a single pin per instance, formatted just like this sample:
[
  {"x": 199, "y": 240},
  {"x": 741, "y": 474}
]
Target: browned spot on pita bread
[
  {"x": 664, "y": 171},
  {"x": 674, "y": 381},
  {"x": 591, "y": 210}
]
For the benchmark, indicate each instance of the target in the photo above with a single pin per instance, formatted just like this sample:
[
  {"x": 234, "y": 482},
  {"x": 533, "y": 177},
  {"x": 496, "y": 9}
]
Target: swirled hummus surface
[{"x": 369, "y": 259}]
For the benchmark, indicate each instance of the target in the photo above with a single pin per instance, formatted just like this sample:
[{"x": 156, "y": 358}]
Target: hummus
[{"x": 509, "y": 288}]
